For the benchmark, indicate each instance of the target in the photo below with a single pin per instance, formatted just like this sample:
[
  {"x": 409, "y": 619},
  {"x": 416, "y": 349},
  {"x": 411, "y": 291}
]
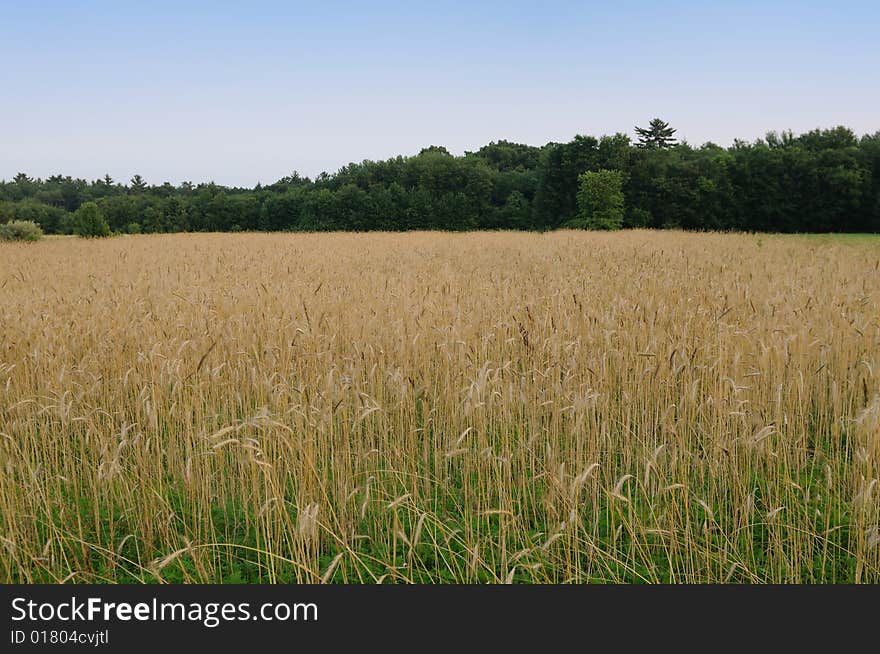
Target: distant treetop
[{"x": 658, "y": 134}]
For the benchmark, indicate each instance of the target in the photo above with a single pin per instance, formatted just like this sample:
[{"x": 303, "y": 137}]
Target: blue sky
[{"x": 246, "y": 92}]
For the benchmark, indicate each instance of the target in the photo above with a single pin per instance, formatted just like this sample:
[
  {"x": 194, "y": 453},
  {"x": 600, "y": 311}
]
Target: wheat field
[{"x": 567, "y": 407}]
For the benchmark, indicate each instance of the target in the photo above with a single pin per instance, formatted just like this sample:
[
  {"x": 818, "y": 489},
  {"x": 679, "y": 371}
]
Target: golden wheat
[{"x": 428, "y": 407}]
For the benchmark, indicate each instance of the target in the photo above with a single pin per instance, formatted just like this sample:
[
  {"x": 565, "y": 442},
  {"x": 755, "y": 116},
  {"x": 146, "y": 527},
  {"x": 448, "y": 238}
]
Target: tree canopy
[{"x": 826, "y": 180}]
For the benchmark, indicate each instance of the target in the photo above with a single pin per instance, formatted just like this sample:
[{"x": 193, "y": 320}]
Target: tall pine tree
[{"x": 657, "y": 135}]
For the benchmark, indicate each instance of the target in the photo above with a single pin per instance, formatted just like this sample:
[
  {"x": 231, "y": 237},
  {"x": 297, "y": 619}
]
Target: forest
[{"x": 825, "y": 180}]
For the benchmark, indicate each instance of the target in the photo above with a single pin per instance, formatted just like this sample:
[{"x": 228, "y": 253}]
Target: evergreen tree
[
  {"x": 657, "y": 135},
  {"x": 138, "y": 185}
]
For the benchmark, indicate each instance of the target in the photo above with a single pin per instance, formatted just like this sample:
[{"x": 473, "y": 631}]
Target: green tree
[
  {"x": 49, "y": 218},
  {"x": 138, "y": 185},
  {"x": 154, "y": 220},
  {"x": 89, "y": 222},
  {"x": 556, "y": 195},
  {"x": 658, "y": 135},
  {"x": 435, "y": 149},
  {"x": 515, "y": 212},
  {"x": 507, "y": 156},
  {"x": 24, "y": 186},
  {"x": 600, "y": 199}
]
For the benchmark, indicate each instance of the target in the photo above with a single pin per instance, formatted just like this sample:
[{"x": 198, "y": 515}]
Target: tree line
[{"x": 825, "y": 180}]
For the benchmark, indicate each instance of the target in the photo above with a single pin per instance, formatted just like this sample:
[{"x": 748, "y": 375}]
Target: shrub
[
  {"x": 89, "y": 222},
  {"x": 21, "y": 230},
  {"x": 134, "y": 228}
]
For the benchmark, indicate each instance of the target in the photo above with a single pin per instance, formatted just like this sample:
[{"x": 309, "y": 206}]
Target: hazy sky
[{"x": 250, "y": 91}]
